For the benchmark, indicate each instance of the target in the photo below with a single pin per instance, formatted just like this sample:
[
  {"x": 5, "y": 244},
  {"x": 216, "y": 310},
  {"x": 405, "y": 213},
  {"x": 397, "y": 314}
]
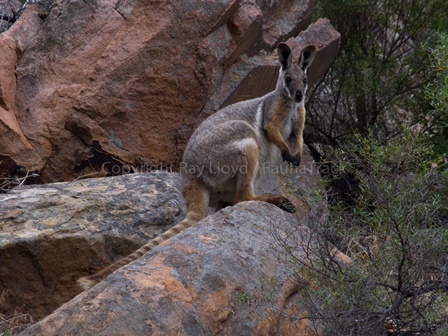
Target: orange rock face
[{"x": 96, "y": 85}]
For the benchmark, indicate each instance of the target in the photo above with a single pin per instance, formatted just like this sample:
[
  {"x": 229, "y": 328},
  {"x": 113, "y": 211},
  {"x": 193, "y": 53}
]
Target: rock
[
  {"x": 52, "y": 234},
  {"x": 13, "y": 143},
  {"x": 126, "y": 82},
  {"x": 228, "y": 275},
  {"x": 242, "y": 80},
  {"x": 8, "y": 13},
  {"x": 7, "y": 79}
]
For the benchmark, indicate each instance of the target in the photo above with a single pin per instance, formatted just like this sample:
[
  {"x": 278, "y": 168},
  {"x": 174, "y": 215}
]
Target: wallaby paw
[
  {"x": 286, "y": 205},
  {"x": 294, "y": 160},
  {"x": 286, "y": 156}
]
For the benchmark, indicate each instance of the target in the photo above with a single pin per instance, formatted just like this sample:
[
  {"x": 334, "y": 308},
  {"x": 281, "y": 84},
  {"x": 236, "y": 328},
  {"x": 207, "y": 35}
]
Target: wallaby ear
[
  {"x": 307, "y": 57},
  {"x": 284, "y": 55}
]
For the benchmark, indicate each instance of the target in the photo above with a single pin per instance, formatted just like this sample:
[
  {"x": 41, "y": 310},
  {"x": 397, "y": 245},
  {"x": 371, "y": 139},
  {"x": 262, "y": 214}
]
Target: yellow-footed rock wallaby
[{"x": 222, "y": 160}]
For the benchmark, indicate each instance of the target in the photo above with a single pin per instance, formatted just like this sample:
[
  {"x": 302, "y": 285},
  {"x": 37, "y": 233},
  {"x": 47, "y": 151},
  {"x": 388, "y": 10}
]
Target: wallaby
[{"x": 222, "y": 160}]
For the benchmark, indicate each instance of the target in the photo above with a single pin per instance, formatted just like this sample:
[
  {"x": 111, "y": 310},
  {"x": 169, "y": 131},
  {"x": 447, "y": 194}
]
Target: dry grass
[
  {"x": 7, "y": 183},
  {"x": 14, "y": 323}
]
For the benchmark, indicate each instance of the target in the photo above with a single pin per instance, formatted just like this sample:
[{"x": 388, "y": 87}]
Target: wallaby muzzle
[{"x": 298, "y": 96}]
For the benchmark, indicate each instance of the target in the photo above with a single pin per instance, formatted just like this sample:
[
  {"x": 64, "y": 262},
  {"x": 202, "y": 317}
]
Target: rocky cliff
[{"x": 101, "y": 87}]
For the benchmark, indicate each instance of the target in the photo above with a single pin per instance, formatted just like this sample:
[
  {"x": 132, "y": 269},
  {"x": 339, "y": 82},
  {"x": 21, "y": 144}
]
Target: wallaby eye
[
  {"x": 288, "y": 80},
  {"x": 305, "y": 81}
]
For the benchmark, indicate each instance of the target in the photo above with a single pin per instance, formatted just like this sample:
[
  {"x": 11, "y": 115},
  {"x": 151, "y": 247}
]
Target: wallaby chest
[
  {"x": 282, "y": 116},
  {"x": 289, "y": 121}
]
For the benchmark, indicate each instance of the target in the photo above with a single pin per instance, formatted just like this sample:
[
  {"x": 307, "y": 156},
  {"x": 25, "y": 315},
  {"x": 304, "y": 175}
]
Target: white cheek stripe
[{"x": 259, "y": 120}]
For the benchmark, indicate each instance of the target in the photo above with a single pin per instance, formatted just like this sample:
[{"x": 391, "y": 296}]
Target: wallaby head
[{"x": 293, "y": 79}]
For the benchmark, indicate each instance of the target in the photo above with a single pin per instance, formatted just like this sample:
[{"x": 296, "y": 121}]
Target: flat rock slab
[
  {"x": 227, "y": 275},
  {"x": 52, "y": 234}
]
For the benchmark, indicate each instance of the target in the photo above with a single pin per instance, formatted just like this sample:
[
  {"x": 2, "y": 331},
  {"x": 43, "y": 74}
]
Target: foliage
[
  {"x": 396, "y": 233},
  {"x": 378, "y": 79},
  {"x": 437, "y": 94}
]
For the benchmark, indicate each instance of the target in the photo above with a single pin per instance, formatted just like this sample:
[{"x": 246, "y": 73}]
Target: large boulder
[
  {"x": 52, "y": 234},
  {"x": 230, "y": 274},
  {"x": 95, "y": 86}
]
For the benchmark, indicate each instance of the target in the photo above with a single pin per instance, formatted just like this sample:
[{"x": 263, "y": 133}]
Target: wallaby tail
[
  {"x": 91, "y": 280},
  {"x": 197, "y": 199}
]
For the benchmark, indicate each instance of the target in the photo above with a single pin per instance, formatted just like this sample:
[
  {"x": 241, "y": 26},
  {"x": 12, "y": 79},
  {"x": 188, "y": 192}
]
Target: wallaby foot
[{"x": 279, "y": 201}]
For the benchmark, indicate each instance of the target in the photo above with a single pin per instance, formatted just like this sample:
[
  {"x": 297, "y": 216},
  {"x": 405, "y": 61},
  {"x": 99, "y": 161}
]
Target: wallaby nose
[{"x": 298, "y": 96}]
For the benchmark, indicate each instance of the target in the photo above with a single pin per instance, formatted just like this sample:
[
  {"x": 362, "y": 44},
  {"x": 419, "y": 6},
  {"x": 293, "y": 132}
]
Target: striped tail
[{"x": 197, "y": 199}]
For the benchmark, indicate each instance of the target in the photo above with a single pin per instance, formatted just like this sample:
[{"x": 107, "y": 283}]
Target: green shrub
[
  {"x": 437, "y": 94},
  {"x": 395, "y": 230},
  {"x": 378, "y": 79}
]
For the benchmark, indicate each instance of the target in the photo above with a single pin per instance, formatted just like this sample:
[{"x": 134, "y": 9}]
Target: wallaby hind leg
[
  {"x": 197, "y": 199},
  {"x": 245, "y": 187}
]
